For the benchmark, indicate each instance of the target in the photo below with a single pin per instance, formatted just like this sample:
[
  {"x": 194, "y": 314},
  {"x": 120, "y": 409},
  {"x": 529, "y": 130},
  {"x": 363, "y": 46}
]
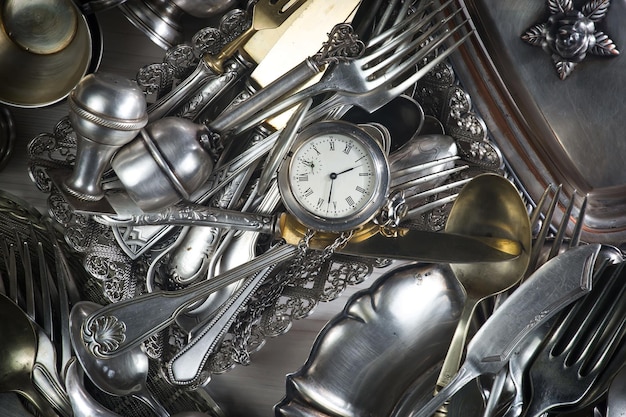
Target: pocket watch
[{"x": 335, "y": 177}]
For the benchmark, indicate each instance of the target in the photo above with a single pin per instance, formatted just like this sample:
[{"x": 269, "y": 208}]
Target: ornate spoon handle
[{"x": 118, "y": 327}]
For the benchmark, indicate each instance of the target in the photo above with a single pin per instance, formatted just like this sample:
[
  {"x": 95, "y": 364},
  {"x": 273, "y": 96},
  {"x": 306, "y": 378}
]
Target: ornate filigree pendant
[{"x": 569, "y": 34}]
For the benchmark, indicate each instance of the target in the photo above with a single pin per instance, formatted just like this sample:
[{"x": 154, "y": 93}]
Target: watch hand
[
  {"x": 310, "y": 164},
  {"x": 346, "y": 170},
  {"x": 330, "y": 193}
]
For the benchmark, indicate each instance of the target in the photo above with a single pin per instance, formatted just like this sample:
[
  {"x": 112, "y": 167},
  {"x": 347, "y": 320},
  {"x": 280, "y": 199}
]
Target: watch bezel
[{"x": 352, "y": 220}]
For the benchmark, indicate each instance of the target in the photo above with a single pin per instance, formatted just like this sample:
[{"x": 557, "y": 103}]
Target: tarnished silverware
[
  {"x": 197, "y": 251},
  {"x": 412, "y": 245},
  {"x": 386, "y": 70},
  {"x": 18, "y": 352},
  {"x": 234, "y": 249},
  {"x": 489, "y": 205},
  {"x": 68, "y": 295},
  {"x": 266, "y": 14},
  {"x": 580, "y": 346},
  {"x": 118, "y": 327},
  {"x": 273, "y": 50},
  {"x": 82, "y": 403},
  {"x": 616, "y": 401},
  {"x": 45, "y": 373},
  {"x": 283, "y": 145},
  {"x": 123, "y": 375},
  {"x": 555, "y": 285},
  {"x": 186, "y": 366},
  {"x": 518, "y": 363},
  {"x": 107, "y": 111},
  {"x": 386, "y": 337}
]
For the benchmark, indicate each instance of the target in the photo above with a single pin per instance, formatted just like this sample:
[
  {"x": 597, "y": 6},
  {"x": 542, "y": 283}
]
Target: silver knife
[
  {"x": 413, "y": 245},
  {"x": 556, "y": 284}
]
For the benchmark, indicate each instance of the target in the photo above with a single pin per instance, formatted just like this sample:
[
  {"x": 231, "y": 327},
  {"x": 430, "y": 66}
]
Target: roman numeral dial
[{"x": 337, "y": 175}]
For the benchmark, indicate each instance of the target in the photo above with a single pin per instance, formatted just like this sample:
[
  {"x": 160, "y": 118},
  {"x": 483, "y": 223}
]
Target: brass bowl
[{"x": 45, "y": 49}]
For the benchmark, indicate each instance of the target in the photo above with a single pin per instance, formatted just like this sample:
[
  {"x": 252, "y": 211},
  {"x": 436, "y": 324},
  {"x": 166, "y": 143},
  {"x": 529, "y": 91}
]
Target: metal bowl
[{"x": 41, "y": 66}]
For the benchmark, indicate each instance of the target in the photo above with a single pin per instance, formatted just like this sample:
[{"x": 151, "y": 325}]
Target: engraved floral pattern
[{"x": 569, "y": 34}]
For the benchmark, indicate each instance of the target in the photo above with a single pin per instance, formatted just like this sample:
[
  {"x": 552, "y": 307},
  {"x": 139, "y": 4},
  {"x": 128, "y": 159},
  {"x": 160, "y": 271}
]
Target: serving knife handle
[
  {"x": 230, "y": 118},
  {"x": 186, "y": 366}
]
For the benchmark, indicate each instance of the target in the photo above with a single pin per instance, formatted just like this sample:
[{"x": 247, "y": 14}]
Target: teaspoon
[{"x": 489, "y": 205}]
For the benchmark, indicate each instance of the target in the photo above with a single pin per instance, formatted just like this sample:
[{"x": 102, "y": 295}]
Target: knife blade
[
  {"x": 304, "y": 34},
  {"x": 275, "y": 50},
  {"x": 435, "y": 247},
  {"x": 413, "y": 245},
  {"x": 556, "y": 284}
]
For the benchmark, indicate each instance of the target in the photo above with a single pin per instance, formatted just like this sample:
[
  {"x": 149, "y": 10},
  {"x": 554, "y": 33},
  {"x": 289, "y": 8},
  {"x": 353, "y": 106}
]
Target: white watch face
[{"x": 333, "y": 175}]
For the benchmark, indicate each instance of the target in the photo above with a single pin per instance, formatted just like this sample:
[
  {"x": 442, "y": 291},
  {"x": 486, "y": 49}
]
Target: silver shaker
[
  {"x": 169, "y": 160},
  {"x": 106, "y": 111}
]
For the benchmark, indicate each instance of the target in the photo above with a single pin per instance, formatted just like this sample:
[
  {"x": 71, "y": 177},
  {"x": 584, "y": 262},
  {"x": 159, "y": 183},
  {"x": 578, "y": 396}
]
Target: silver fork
[
  {"x": 584, "y": 343},
  {"x": 45, "y": 373},
  {"x": 386, "y": 70},
  {"x": 541, "y": 214},
  {"x": 559, "y": 237},
  {"x": 67, "y": 295}
]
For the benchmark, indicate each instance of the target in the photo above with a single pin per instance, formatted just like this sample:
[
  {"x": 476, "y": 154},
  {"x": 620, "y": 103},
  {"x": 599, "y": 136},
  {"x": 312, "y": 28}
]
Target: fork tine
[
  {"x": 63, "y": 279},
  {"x": 429, "y": 177},
  {"x": 415, "y": 76},
  {"x": 389, "y": 9},
  {"x": 560, "y": 233},
  {"x": 397, "y": 27},
  {"x": 436, "y": 190},
  {"x": 406, "y": 48},
  {"x": 579, "y": 224},
  {"x": 420, "y": 167},
  {"x": 536, "y": 215},
  {"x": 45, "y": 284},
  {"x": 583, "y": 314},
  {"x": 29, "y": 284},
  {"x": 543, "y": 232},
  {"x": 605, "y": 325},
  {"x": 599, "y": 357},
  {"x": 394, "y": 40},
  {"x": 411, "y": 214},
  {"x": 46, "y": 300},
  {"x": 9, "y": 261}
]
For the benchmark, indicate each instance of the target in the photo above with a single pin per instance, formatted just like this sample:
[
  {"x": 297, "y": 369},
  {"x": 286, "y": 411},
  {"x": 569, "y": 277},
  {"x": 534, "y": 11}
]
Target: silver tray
[{"x": 551, "y": 130}]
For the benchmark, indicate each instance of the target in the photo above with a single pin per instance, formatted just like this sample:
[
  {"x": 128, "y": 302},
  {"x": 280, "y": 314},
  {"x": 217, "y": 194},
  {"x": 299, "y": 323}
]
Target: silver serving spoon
[
  {"x": 123, "y": 375},
  {"x": 83, "y": 405},
  {"x": 385, "y": 340}
]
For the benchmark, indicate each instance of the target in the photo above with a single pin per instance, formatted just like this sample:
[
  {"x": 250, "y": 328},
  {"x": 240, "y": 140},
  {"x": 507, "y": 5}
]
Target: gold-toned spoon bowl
[{"x": 488, "y": 206}]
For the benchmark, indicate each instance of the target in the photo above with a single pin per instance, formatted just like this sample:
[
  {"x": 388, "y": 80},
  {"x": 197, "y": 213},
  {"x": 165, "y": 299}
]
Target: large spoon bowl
[
  {"x": 122, "y": 375},
  {"x": 488, "y": 206},
  {"x": 18, "y": 353},
  {"x": 387, "y": 337}
]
